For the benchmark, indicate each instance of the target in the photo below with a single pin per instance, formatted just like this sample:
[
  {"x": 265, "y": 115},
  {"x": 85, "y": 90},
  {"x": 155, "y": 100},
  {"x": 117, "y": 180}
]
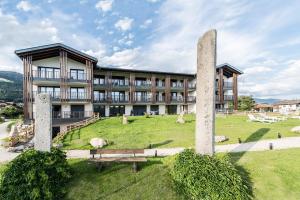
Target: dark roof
[
  {"x": 45, "y": 51},
  {"x": 288, "y": 102},
  {"x": 229, "y": 69},
  {"x": 145, "y": 71}
]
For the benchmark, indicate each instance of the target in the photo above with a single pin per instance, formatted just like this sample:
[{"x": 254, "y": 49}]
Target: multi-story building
[{"x": 79, "y": 87}]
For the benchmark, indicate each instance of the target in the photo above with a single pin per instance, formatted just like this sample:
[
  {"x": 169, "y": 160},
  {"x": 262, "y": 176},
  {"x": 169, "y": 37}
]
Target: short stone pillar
[
  {"x": 180, "y": 118},
  {"x": 125, "y": 119},
  {"x": 205, "y": 99},
  {"x": 43, "y": 123}
]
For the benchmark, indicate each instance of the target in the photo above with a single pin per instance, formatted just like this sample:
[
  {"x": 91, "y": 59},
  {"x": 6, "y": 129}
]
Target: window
[
  {"x": 99, "y": 80},
  {"x": 77, "y": 93},
  {"x": 53, "y": 91},
  {"x": 99, "y": 95},
  {"x": 77, "y": 74},
  {"x": 48, "y": 72}
]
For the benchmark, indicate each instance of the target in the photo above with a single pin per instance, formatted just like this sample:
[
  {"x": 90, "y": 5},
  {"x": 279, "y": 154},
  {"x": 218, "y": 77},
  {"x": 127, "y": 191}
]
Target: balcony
[
  {"x": 177, "y": 86},
  {"x": 228, "y": 97},
  {"x": 142, "y": 85},
  {"x": 45, "y": 76},
  {"x": 71, "y": 114},
  {"x": 55, "y": 96},
  {"x": 120, "y": 85},
  {"x": 176, "y": 99},
  {"x": 192, "y": 86},
  {"x": 160, "y": 85},
  {"x": 142, "y": 99},
  {"x": 191, "y": 99},
  {"x": 160, "y": 99},
  {"x": 78, "y": 96},
  {"x": 228, "y": 85},
  {"x": 100, "y": 100},
  {"x": 77, "y": 78},
  {"x": 120, "y": 99}
]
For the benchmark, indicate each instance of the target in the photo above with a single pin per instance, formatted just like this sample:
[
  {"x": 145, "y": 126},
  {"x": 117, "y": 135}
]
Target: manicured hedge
[
  {"x": 36, "y": 175},
  {"x": 207, "y": 177}
]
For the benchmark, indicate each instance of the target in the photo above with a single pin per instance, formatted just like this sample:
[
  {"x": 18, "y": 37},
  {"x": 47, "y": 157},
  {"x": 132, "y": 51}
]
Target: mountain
[
  {"x": 11, "y": 86},
  {"x": 267, "y": 101}
]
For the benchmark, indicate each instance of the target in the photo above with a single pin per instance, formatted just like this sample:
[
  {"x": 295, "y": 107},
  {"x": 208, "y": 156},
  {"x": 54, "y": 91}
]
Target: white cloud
[
  {"x": 25, "y": 6},
  {"x": 125, "y": 58},
  {"x": 283, "y": 84},
  {"x": 257, "y": 70},
  {"x": 153, "y": 1},
  {"x": 104, "y": 5},
  {"x": 146, "y": 23},
  {"x": 16, "y": 35},
  {"x": 124, "y": 24}
]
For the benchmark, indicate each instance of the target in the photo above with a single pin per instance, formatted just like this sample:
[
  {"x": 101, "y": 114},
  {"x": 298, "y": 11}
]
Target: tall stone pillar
[
  {"x": 205, "y": 100},
  {"x": 43, "y": 123}
]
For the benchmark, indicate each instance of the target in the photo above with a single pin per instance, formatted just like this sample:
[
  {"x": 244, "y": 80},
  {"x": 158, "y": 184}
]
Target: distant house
[
  {"x": 263, "y": 107},
  {"x": 287, "y": 106}
]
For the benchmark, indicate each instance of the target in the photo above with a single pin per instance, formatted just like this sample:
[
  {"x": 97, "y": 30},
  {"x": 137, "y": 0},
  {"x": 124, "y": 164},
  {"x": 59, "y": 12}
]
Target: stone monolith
[
  {"x": 43, "y": 123},
  {"x": 205, "y": 99}
]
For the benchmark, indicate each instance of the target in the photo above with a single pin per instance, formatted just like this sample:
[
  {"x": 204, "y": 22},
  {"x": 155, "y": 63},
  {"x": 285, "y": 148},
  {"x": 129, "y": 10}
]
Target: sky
[{"x": 261, "y": 38}]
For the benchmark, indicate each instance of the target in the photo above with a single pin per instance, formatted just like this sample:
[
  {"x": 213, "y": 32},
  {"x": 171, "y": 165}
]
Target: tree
[
  {"x": 10, "y": 111},
  {"x": 245, "y": 103}
]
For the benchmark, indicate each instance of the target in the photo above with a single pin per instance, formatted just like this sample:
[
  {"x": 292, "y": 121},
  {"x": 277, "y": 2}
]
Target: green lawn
[
  {"x": 163, "y": 131},
  {"x": 275, "y": 175}
]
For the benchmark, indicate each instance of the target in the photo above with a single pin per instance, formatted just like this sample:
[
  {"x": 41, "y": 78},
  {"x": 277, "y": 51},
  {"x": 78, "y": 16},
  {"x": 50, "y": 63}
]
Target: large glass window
[
  {"x": 53, "y": 91},
  {"x": 99, "y": 95},
  {"x": 48, "y": 72},
  {"x": 77, "y": 93},
  {"x": 77, "y": 74}
]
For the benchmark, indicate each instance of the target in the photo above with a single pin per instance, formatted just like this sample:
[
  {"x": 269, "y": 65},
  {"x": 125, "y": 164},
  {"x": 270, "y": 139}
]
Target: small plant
[
  {"x": 146, "y": 115},
  {"x": 207, "y": 177},
  {"x": 36, "y": 175}
]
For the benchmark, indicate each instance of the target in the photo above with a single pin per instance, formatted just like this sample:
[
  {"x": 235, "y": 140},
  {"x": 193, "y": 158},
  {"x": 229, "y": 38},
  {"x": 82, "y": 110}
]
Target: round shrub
[
  {"x": 207, "y": 177},
  {"x": 36, "y": 175}
]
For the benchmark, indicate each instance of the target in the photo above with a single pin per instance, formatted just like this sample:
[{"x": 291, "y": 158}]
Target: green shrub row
[
  {"x": 207, "y": 177},
  {"x": 36, "y": 175}
]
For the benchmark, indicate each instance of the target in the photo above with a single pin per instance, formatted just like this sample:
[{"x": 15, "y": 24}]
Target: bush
[
  {"x": 36, "y": 175},
  {"x": 205, "y": 177},
  {"x": 11, "y": 112}
]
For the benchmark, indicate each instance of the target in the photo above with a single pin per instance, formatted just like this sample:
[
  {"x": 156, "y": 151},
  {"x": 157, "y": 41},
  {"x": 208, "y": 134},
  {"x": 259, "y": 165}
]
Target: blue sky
[{"x": 260, "y": 37}]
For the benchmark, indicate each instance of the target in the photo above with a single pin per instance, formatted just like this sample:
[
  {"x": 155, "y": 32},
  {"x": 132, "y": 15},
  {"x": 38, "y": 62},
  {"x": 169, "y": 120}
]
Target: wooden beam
[{"x": 235, "y": 91}]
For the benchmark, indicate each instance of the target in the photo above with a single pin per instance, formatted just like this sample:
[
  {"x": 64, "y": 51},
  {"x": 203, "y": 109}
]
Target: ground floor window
[
  {"x": 116, "y": 110},
  {"x": 139, "y": 110},
  {"x": 154, "y": 109},
  {"x": 171, "y": 109},
  {"x": 99, "y": 109}
]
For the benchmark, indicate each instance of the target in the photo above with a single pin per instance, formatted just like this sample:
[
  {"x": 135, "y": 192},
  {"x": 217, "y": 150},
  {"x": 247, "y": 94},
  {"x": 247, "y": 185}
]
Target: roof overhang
[
  {"x": 229, "y": 70},
  {"x": 52, "y": 50},
  {"x": 143, "y": 71}
]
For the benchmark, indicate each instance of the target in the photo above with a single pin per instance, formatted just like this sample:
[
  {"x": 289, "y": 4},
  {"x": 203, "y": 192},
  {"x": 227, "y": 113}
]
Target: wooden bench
[{"x": 129, "y": 158}]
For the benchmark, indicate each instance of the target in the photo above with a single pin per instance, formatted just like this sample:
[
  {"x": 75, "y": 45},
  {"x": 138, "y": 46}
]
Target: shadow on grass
[
  {"x": 86, "y": 172},
  {"x": 256, "y": 136},
  {"x": 235, "y": 157},
  {"x": 156, "y": 145}
]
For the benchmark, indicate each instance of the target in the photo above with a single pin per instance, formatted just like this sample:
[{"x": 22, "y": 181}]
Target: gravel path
[{"x": 263, "y": 145}]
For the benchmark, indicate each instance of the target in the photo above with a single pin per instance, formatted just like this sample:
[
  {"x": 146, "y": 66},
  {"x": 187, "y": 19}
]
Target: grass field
[
  {"x": 163, "y": 131},
  {"x": 274, "y": 175}
]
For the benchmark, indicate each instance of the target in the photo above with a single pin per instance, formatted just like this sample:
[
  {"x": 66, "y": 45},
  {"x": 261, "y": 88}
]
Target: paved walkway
[
  {"x": 284, "y": 143},
  {"x": 4, "y": 155}
]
